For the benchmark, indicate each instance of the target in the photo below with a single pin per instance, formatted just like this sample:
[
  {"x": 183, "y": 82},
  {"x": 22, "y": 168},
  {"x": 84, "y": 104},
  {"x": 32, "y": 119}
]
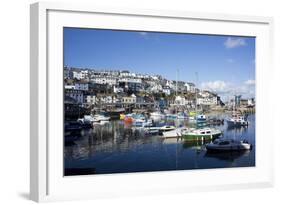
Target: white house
[
  {"x": 180, "y": 100},
  {"x": 156, "y": 88},
  {"x": 129, "y": 100},
  {"x": 166, "y": 90},
  {"x": 190, "y": 87},
  {"x": 82, "y": 86},
  {"x": 207, "y": 98},
  {"x": 80, "y": 74},
  {"x": 105, "y": 80},
  {"x": 130, "y": 80},
  {"x": 69, "y": 87},
  {"x": 91, "y": 99}
]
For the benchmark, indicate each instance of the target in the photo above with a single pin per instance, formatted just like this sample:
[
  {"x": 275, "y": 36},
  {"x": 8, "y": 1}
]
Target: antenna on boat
[{"x": 177, "y": 81}]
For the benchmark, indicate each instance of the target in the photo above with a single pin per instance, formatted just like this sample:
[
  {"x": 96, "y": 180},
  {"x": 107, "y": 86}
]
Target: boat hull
[
  {"x": 231, "y": 123},
  {"x": 228, "y": 148},
  {"x": 192, "y": 137}
]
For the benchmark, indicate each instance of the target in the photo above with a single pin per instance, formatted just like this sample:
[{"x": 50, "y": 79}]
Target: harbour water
[{"x": 116, "y": 147}]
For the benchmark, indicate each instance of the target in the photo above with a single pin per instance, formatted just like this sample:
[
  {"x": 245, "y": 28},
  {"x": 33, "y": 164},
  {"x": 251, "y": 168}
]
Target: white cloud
[
  {"x": 250, "y": 82},
  {"x": 216, "y": 86},
  {"x": 227, "y": 90},
  {"x": 234, "y": 42}
]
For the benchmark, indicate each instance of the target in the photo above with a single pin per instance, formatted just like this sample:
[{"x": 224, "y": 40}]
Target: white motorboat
[
  {"x": 174, "y": 133},
  {"x": 228, "y": 145}
]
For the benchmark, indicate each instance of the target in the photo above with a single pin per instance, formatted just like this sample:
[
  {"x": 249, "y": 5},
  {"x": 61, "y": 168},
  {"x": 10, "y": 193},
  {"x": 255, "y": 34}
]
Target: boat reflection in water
[
  {"x": 230, "y": 156},
  {"x": 116, "y": 147}
]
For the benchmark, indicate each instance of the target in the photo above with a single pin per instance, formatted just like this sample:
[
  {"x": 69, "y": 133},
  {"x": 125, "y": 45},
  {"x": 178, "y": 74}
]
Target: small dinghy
[{"x": 228, "y": 145}]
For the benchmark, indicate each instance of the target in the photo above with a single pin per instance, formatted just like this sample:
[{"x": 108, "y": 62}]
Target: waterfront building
[
  {"x": 129, "y": 99},
  {"x": 75, "y": 94}
]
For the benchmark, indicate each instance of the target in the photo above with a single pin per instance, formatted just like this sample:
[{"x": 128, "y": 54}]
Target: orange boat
[{"x": 128, "y": 119}]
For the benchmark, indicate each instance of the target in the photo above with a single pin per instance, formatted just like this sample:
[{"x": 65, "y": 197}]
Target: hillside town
[{"x": 117, "y": 91}]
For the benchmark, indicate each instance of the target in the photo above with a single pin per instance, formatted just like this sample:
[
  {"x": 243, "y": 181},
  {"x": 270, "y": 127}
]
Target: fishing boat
[
  {"x": 237, "y": 120},
  {"x": 228, "y": 145},
  {"x": 201, "y": 133}
]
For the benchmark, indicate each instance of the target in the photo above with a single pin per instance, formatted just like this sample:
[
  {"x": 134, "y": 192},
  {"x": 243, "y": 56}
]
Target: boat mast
[
  {"x": 196, "y": 74},
  {"x": 177, "y": 82}
]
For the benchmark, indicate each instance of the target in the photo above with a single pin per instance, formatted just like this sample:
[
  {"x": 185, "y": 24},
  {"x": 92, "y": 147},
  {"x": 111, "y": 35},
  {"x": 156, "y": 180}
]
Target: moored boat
[
  {"x": 237, "y": 120},
  {"x": 166, "y": 128},
  {"x": 228, "y": 145},
  {"x": 201, "y": 134},
  {"x": 174, "y": 133},
  {"x": 201, "y": 118}
]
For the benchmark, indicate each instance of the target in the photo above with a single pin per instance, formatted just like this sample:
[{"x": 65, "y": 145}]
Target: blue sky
[{"x": 225, "y": 64}]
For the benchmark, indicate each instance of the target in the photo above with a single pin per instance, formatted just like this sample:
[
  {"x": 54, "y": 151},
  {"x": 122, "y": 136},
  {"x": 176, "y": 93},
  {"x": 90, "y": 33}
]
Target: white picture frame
[{"x": 47, "y": 182}]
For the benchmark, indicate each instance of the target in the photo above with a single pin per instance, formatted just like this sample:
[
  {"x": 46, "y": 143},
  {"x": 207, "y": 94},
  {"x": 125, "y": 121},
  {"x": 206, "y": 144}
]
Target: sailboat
[{"x": 200, "y": 119}]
